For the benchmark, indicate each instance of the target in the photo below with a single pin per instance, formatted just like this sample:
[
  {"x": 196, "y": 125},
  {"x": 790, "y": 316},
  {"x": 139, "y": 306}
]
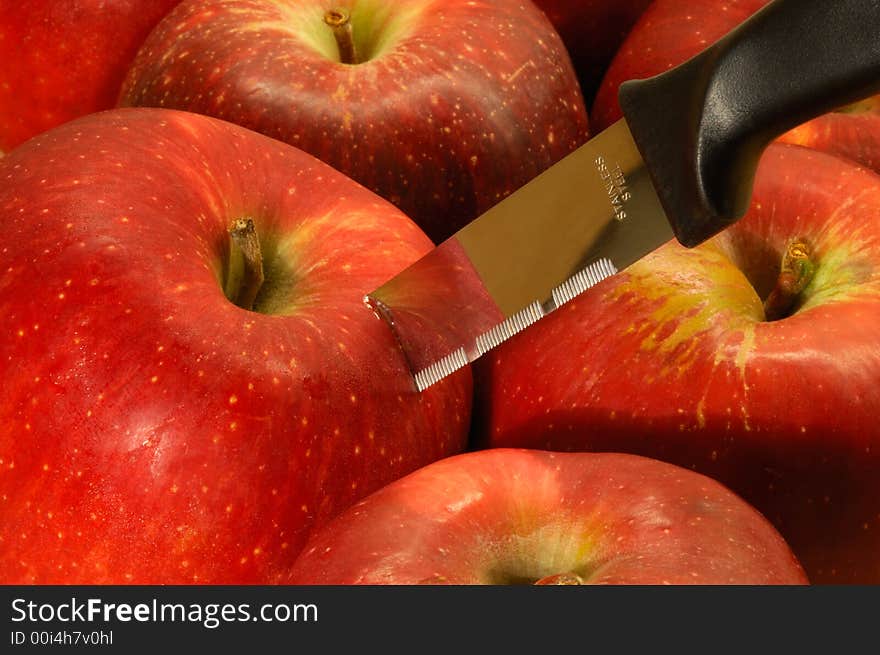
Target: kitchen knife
[{"x": 681, "y": 163}]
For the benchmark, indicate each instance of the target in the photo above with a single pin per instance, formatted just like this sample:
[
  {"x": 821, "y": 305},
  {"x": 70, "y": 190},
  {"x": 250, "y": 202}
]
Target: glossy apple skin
[
  {"x": 60, "y": 59},
  {"x": 150, "y": 430},
  {"x": 672, "y": 359},
  {"x": 852, "y": 133},
  {"x": 471, "y": 101},
  {"x": 670, "y": 32},
  {"x": 508, "y": 516},
  {"x": 592, "y": 31}
]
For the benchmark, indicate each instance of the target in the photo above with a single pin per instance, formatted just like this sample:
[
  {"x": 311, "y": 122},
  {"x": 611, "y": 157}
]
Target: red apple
[
  {"x": 852, "y": 132},
  {"x": 453, "y": 104},
  {"x": 60, "y": 59},
  {"x": 676, "y": 358},
  {"x": 592, "y": 31},
  {"x": 524, "y": 516},
  {"x": 151, "y": 431},
  {"x": 670, "y": 32}
]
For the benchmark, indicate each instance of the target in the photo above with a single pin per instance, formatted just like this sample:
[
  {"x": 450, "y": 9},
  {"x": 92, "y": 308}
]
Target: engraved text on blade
[{"x": 615, "y": 186}]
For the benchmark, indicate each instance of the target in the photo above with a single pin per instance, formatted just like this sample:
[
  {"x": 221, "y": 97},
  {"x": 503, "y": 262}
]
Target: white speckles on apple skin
[
  {"x": 152, "y": 354},
  {"x": 394, "y": 122}
]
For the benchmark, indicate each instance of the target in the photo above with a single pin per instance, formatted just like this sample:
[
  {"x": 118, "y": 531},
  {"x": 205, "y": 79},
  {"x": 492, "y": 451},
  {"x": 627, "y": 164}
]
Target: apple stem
[
  {"x": 795, "y": 274},
  {"x": 561, "y": 579},
  {"x": 244, "y": 236},
  {"x": 340, "y": 21}
]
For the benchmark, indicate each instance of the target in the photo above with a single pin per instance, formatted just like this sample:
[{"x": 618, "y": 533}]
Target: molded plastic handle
[{"x": 701, "y": 127}]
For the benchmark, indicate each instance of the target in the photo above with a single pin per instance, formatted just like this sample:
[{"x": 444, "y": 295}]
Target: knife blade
[{"x": 680, "y": 164}]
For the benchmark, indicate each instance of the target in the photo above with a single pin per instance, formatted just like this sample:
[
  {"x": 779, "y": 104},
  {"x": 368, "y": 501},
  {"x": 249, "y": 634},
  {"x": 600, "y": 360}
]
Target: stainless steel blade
[{"x": 585, "y": 218}]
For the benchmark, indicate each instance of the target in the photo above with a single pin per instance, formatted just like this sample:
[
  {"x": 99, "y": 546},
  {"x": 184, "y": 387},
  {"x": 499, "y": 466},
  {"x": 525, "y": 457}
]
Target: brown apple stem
[
  {"x": 244, "y": 237},
  {"x": 561, "y": 579},
  {"x": 795, "y": 274},
  {"x": 339, "y": 20}
]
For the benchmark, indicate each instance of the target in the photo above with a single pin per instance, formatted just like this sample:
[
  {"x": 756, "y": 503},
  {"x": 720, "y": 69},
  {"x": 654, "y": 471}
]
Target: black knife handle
[{"x": 701, "y": 127}]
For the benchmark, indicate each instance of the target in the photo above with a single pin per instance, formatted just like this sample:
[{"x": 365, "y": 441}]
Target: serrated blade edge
[
  {"x": 494, "y": 337},
  {"x": 440, "y": 369},
  {"x": 577, "y": 284}
]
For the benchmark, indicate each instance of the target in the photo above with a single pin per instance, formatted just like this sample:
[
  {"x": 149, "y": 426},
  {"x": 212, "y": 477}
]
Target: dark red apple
[
  {"x": 451, "y": 105},
  {"x": 506, "y": 516},
  {"x": 592, "y": 31},
  {"x": 60, "y": 59},
  {"x": 710, "y": 359},
  {"x": 670, "y": 32},
  {"x": 151, "y": 430}
]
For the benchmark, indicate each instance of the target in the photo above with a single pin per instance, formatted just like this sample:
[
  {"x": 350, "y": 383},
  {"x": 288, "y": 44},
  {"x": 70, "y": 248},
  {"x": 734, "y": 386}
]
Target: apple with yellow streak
[{"x": 754, "y": 358}]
